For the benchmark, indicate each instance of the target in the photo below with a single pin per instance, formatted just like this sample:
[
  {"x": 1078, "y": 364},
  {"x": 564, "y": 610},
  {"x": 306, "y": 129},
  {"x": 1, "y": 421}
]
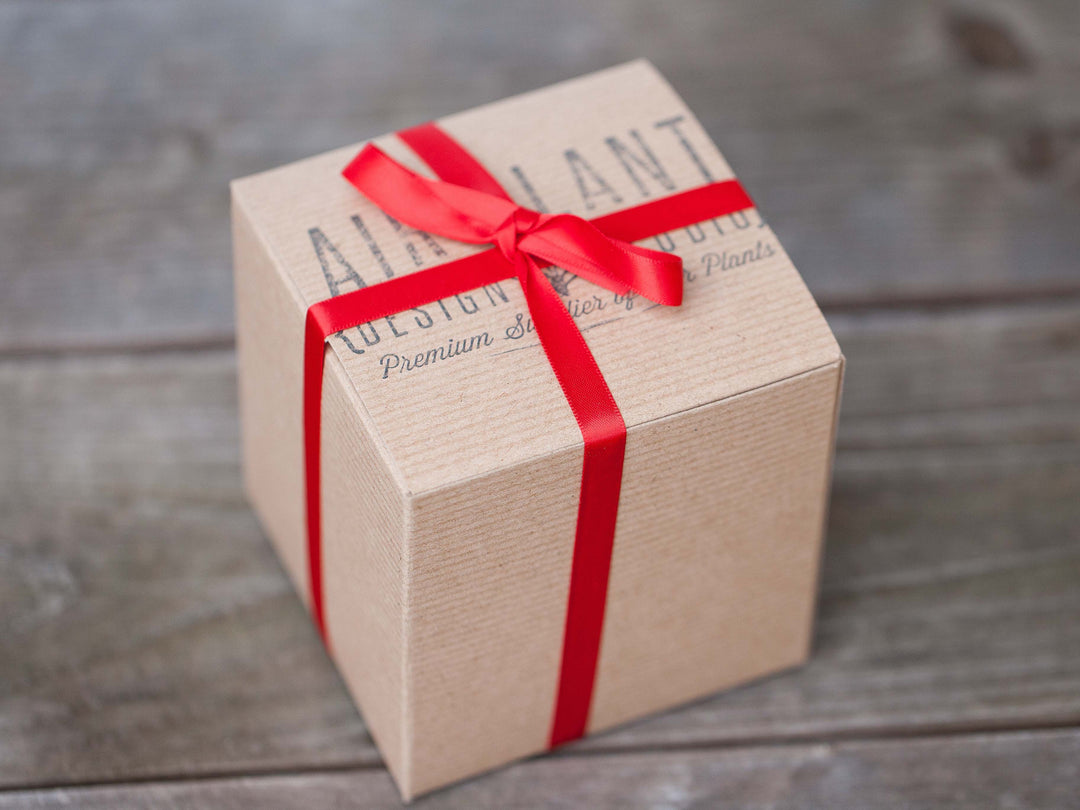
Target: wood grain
[
  {"x": 147, "y": 625},
  {"x": 921, "y": 162},
  {"x": 982, "y": 772},
  {"x": 902, "y": 150},
  {"x": 149, "y": 632}
]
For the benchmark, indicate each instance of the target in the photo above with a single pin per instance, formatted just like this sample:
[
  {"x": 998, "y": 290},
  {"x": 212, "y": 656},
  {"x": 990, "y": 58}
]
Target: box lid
[{"x": 461, "y": 387}]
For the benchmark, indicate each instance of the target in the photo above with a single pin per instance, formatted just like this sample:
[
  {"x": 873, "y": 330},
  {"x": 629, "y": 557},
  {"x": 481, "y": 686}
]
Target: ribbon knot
[{"x": 507, "y": 238}]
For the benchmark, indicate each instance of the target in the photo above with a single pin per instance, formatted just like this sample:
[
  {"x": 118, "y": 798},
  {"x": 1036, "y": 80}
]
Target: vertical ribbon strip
[{"x": 469, "y": 205}]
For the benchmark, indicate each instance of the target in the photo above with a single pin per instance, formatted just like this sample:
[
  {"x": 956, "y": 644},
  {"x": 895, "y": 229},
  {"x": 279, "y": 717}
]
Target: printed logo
[{"x": 644, "y": 176}]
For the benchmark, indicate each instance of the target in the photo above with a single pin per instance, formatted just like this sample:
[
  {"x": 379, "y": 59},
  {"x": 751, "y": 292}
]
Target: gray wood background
[{"x": 921, "y": 163}]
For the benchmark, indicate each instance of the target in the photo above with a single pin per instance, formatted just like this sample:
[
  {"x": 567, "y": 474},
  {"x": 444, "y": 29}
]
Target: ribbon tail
[{"x": 579, "y": 246}]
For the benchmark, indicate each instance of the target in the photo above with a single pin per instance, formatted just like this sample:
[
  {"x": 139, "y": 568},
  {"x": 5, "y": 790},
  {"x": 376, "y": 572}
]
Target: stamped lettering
[{"x": 644, "y": 175}]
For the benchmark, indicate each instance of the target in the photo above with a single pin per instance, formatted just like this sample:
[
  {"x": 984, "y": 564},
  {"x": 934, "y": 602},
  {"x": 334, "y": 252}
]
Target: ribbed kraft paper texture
[{"x": 451, "y": 461}]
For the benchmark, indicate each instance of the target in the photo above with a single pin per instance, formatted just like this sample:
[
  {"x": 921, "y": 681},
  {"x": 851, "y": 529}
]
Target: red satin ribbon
[{"x": 469, "y": 205}]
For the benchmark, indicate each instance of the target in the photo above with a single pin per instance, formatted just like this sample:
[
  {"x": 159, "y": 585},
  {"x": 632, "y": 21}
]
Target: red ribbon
[{"x": 469, "y": 205}]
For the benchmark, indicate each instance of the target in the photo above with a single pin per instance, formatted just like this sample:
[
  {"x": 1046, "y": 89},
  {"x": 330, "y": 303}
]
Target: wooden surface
[{"x": 921, "y": 163}]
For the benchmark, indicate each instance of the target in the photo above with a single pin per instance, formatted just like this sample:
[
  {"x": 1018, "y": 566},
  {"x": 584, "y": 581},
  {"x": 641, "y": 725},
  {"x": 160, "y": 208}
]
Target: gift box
[{"x": 532, "y": 482}]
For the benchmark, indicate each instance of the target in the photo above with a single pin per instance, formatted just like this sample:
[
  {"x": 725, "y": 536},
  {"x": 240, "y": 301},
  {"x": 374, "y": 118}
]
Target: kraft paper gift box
[{"x": 451, "y": 462}]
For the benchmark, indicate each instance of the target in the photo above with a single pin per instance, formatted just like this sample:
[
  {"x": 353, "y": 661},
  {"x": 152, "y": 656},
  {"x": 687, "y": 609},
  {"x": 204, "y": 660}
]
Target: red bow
[
  {"x": 469, "y": 205},
  {"x": 526, "y": 238}
]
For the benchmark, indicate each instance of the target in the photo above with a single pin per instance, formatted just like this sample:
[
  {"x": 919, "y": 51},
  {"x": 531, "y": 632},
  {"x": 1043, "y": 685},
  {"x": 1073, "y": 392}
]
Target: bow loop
[{"x": 478, "y": 217}]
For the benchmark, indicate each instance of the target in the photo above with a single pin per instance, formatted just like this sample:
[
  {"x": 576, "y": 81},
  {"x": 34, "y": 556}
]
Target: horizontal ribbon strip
[{"x": 469, "y": 205}]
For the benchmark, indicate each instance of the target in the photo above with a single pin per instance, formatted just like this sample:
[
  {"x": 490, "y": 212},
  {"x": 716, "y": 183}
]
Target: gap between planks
[
  {"x": 218, "y": 341},
  {"x": 881, "y": 735}
]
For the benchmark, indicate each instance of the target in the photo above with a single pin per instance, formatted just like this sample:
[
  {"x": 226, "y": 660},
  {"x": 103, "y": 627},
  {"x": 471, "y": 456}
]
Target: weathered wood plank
[
  {"x": 899, "y": 149},
  {"x": 1030, "y": 770},
  {"x": 146, "y": 624},
  {"x": 148, "y": 631}
]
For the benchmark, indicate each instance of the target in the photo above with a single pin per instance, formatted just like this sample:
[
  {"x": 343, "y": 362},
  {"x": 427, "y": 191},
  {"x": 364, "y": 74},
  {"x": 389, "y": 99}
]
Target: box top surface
[{"x": 458, "y": 388}]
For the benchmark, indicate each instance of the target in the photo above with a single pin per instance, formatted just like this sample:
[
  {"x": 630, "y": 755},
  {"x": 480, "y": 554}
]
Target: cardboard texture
[{"x": 451, "y": 461}]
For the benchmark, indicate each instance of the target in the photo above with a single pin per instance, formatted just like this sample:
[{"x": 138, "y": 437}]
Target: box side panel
[
  {"x": 269, "y": 337},
  {"x": 713, "y": 578},
  {"x": 363, "y": 546},
  {"x": 715, "y": 570},
  {"x": 363, "y": 508},
  {"x": 490, "y": 563}
]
